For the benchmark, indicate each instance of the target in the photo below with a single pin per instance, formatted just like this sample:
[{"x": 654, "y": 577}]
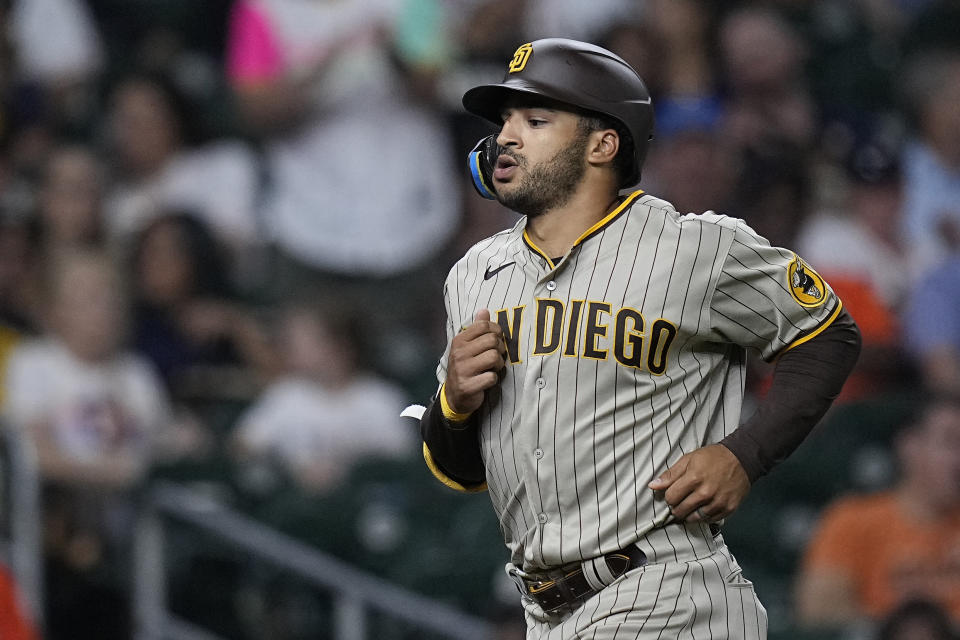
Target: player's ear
[{"x": 604, "y": 145}]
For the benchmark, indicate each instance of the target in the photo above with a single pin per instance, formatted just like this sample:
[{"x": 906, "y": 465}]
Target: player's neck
[{"x": 555, "y": 231}]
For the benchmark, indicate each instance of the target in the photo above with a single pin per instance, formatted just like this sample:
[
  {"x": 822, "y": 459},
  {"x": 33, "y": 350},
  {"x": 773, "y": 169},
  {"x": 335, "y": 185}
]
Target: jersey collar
[{"x": 596, "y": 228}]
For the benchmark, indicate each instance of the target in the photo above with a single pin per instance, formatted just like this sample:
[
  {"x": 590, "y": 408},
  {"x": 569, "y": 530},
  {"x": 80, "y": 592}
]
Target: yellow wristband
[{"x": 448, "y": 411}]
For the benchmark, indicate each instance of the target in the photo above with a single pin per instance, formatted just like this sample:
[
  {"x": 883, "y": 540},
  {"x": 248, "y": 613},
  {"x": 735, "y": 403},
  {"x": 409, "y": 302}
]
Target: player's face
[{"x": 543, "y": 161}]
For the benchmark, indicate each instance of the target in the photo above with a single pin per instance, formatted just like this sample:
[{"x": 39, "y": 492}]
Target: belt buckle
[
  {"x": 519, "y": 578},
  {"x": 531, "y": 586}
]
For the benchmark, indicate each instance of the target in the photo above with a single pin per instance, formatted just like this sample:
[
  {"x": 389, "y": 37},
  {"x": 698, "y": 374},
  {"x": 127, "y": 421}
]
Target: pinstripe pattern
[
  {"x": 702, "y": 596},
  {"x": 639, "y": 359}
]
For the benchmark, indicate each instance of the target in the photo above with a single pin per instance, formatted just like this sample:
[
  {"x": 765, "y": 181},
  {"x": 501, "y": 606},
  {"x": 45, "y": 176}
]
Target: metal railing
[{"x": 356, "y": 594}]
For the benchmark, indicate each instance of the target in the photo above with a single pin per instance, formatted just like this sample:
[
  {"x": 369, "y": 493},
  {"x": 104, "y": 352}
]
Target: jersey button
[
  {"x": 541, "y": 383},
  {"x": 538, "y": 453},
  {"x": 551, "y": 285},
  {"x": 542, "y": 518}
]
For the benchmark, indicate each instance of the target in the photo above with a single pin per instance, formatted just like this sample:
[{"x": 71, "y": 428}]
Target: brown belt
[{"x": 571, "y": 586}]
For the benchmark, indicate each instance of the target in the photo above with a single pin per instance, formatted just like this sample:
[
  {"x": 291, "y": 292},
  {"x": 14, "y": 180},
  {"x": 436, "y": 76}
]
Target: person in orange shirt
[{"x": 871, "y": 553}]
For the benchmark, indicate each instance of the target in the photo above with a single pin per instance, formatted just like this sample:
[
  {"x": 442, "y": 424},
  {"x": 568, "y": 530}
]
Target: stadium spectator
[
  {"x": 762, "y": 62},
  {"x": 682, "y": 38},
  {"x": 361, "y": 193},
  {"x": 19, "y": 278},
  {"x": 312, "y": 78},
  {"x": 17, "y": 290},
  {"x": 932, "y": 325},
  {"x": 690, "y": 149},
  {"x": 70, "y": 200},
  {"x": 161, "y": 163},
  {"x": 932, "y": 24},
  {"x": 186, "y": 316},
  {"x": 917, "y": 620},
  {"x": 91, "y": 407},
  {"x": 688, "y": 145},
  {"x": 572, "y": 18},
  {"x": 326, "y": 411},
  {"x": 872, "y": 553},
  {"x": 59, "y": 49},
  {"x": 856, "y": 244},
  {"x": 931, "y": 208},
  {"x": 96, "y": 415},
  {"x": 642, "y": 46},
  {"x": 769, "y": 119}
]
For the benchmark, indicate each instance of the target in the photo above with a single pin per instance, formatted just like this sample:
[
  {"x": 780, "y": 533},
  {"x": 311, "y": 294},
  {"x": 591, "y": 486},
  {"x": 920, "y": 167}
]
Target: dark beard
[{"x": 550, "y": 184}]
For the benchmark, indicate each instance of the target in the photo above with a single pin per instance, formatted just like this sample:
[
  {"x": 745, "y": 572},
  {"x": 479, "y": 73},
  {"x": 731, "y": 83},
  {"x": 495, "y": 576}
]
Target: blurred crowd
[{"x": 225, "y": 224}]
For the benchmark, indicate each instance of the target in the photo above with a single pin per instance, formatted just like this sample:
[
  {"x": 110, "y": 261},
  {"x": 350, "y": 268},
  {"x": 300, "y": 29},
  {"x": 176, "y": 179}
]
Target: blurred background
[{"x": 224, "y": 229}]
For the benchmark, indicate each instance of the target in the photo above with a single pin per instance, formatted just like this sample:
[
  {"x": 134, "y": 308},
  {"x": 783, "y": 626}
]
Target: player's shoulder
[
  {"x": 717, "y": 220},
  {"x": 499, "y": 243},
  {"x": 497, "y": 240},
  {"x": 666, "y": 209}
]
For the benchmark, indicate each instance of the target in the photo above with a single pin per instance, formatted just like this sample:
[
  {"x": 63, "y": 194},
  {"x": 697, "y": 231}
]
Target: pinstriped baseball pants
[{"x": 691, "y": 589}]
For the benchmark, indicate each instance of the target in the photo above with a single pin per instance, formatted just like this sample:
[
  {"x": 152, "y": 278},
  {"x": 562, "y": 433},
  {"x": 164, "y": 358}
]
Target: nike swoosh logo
[{"x": 489, "y": 273}]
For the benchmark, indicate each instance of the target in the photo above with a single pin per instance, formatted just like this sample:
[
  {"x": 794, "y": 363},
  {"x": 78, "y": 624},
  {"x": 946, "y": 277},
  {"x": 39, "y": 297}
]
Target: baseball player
[{"x": 594, "y": 374}]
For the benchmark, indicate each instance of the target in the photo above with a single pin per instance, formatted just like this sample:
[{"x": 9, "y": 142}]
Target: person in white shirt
[
  {"x": 97, "y": 416},
  {"x": 162, "y": 163},
  {"x": 325, "y": 413},
  {"x": 90, "y": 407}
]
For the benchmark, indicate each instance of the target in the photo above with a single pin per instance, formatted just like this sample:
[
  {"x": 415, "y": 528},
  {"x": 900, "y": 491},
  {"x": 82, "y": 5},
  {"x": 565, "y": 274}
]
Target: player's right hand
[{"x": 477, "y": 354}]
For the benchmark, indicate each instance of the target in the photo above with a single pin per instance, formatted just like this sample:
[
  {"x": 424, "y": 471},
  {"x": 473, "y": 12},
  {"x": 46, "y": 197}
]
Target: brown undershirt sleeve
[
  {"x": 806, "y": 379},
  {"x": 454, "y": 446}
]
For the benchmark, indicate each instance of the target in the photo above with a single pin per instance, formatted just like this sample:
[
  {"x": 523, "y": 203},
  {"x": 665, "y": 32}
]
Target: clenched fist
[{"x": 476, "y": 358}]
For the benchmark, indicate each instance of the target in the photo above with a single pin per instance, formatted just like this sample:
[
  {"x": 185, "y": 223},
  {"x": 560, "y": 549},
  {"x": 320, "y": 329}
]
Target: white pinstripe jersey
[{"x": 622, "y": 357}]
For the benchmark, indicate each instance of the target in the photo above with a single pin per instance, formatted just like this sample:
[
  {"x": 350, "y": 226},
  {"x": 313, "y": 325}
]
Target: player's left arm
[
  {"x": 806, "y": 380},
  {"x": 766, "y": 298}
]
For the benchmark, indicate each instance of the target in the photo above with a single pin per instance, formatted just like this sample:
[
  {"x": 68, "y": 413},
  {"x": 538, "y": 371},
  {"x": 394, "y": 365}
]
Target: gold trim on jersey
[
  {"x": 537, "y": 250},
  {"x": 607, "y": 219},
  {"x": 818, "y": 330},
  {"x": 445, "y": 479}
]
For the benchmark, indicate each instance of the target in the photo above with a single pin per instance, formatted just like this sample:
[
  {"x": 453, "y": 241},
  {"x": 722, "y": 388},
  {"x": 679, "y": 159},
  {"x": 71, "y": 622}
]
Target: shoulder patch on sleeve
[{"x": 805, "y": 284}]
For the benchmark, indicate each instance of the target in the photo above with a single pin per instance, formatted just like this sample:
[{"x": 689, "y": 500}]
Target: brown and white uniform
[{"x": 622, "y": 356}]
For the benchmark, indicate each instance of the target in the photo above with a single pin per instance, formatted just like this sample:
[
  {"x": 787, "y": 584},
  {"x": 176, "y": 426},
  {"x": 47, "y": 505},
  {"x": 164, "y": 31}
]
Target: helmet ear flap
[{"x": 481, "y": 161}]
